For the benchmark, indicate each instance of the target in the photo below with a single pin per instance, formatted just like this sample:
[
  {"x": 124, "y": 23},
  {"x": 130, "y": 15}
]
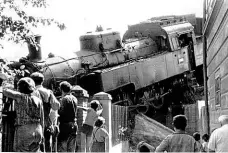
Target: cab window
[{"x": 185, "y": 39}]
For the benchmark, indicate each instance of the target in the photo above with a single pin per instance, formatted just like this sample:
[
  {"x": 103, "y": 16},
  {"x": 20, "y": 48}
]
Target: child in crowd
[
  {"x": 93, "y": 112},
  {"x": 205, "y": 138},
  {"x": 99, "y": 135},
  {"x": 196, "y": 136}
]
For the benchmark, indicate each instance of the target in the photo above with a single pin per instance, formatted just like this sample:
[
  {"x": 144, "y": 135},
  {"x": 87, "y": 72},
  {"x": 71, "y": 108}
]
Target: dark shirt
[{"x": 68, "y": 109}]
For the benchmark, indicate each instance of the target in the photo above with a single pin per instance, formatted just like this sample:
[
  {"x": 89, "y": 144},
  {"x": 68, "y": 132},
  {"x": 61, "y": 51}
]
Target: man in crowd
[
  {"x": 218, "y": 139},
  {"x": 49, "y": 102},
  {"x": 68, "y": 121},
  {"x": 179, "y": 141}
]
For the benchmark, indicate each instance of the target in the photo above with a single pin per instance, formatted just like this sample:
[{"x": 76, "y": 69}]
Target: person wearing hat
[
  {"x": 49, "y": 103},
  {"x": 29, "y": 116},
  {"x": 218, "y": 139},
  {"x": 68, "y": 119},
  {"x": 179, "y": 141}
]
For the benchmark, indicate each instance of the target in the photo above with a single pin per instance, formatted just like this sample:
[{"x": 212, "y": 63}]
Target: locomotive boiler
[{"x": 153, "y": 65}]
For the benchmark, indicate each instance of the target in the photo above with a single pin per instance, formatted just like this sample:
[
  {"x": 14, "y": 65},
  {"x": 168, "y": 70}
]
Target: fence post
[
  {"x": 105, "y": 100},
  {"x": 82, "y": 96}
]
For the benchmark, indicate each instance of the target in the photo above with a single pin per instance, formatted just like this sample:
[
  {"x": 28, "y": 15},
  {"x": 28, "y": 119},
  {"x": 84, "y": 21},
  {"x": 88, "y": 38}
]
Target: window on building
[{"x": 209, "y": 7}]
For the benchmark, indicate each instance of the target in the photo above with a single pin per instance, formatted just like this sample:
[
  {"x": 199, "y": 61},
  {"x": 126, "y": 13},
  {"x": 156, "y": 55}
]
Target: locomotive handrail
[
  {"x": 71, "y": 59},
  {"x": 46, "y": 65},
  {"x": 134, "y": 107},
  {"x": 131, "y": 40},
  {"x": 118, "y": 102},
  {"x": 116, "y": 50},
  {"x": 137, "y": 105},
  {"x": 159, "y": 97}
]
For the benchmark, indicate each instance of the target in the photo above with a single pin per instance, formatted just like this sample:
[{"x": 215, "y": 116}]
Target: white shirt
[
  {"x": 99, "y": 134},
  {"x": 219, "y": 139},
  {"x": 205, "y": 146},
  {"x": 91, "y": 117},
  {"x": 54, "y": 116}
]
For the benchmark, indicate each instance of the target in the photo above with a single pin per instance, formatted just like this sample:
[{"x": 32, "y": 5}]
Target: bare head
[
  {"x": 65, "y": 87},
  {"x": 180, "y": 122},
  {"x": 38, "y": 78},
  {"x": 94, "y": 104},
  {"x": 142, "y": 147},
  {"x": 99, "y": 122},
  {"x": 205, "y": 137},
  {"x": 196, "y": 136},
  {"x": 223, "y": 119},
  {"x": 26, "y": 85}
]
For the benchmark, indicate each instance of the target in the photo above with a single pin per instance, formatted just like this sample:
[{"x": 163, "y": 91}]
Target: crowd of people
[
  {"x": 47, "y": 124},
  {"x": 180, "y": 141}
]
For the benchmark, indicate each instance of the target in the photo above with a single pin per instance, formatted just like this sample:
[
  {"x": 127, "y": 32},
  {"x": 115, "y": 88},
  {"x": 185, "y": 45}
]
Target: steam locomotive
[{"x": 155, "y": 65}]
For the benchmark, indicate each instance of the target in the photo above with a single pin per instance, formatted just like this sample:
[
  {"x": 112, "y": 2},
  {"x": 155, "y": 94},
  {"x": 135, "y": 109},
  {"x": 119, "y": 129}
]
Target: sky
[{"x": 84, "y": 15}]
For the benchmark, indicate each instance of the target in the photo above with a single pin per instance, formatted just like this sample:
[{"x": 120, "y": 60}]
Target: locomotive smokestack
[{"x": 34, "y": 48}]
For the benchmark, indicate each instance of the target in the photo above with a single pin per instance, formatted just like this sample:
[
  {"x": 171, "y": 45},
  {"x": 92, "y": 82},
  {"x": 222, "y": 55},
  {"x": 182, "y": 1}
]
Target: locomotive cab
[{"x": 182, "y": 39}]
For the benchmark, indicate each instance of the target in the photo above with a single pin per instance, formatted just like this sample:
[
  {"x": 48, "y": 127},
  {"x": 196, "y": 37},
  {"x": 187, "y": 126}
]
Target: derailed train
[{"x": 154, "y": 64}]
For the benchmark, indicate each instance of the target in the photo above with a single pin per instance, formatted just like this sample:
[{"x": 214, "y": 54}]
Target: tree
[{"x": 17, "y": 28}]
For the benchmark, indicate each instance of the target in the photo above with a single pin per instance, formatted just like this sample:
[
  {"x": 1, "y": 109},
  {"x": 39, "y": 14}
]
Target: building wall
[{"x": 216, "y": 32}]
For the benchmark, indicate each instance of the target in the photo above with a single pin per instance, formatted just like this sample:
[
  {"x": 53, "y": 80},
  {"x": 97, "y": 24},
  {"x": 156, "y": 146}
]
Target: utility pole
[{"x": 205, "y": 70}]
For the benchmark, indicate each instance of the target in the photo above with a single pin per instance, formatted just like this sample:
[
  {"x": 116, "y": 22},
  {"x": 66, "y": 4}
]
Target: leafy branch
[{"x": 19, "y": 29}]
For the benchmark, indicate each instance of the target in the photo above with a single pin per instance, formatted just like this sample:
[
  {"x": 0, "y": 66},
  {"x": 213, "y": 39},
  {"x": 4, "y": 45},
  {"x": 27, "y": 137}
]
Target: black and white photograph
[{"x": 113, "y": 76}]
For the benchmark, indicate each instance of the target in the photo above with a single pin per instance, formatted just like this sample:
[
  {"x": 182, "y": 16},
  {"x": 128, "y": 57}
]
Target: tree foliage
[{"x": 18, "y": 28}]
